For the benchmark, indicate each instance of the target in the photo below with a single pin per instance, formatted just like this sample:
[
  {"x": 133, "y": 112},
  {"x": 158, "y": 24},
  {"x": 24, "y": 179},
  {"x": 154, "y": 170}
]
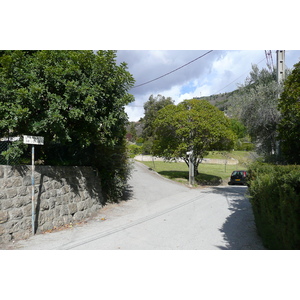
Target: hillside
[{"x": 219, "y": 100}]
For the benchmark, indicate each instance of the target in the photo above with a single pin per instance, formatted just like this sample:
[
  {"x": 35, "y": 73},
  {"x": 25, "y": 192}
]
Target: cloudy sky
[{"x": 217, "y": 72}]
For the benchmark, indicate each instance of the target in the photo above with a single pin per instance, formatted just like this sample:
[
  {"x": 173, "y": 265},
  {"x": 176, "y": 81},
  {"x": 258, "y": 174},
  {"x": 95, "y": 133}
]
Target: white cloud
[{"x": 217, "y": 72}]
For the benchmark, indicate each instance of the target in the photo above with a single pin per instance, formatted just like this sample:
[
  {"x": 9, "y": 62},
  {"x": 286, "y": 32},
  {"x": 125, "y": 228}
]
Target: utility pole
[
  {"x": 280, "y": 65},
  {"x": 280, "y": 55}
]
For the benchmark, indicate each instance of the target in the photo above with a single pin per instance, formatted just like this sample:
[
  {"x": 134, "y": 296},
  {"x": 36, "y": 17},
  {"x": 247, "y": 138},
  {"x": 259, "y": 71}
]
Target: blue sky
[{"x": 218, "y": 72}]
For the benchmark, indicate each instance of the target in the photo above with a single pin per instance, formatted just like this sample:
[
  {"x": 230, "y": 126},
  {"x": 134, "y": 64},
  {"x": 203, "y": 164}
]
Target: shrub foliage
[
  {"x": 75, "y": 100},
  {"x": 275, "y": 198}
]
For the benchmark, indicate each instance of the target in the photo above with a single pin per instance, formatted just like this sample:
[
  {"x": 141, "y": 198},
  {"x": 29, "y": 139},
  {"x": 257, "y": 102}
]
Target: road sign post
[{"x": 33, "y": 140}]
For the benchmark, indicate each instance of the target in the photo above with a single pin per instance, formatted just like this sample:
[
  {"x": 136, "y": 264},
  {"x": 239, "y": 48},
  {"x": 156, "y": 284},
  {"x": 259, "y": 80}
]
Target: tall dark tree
[
  {"x": 75, "y": 99},
  {"x": 289, "y": 127}
]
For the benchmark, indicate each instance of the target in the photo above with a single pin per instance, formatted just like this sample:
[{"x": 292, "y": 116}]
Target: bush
[
  {"x": 134, "y": 150},
  {"x": 275, "y": 198}
]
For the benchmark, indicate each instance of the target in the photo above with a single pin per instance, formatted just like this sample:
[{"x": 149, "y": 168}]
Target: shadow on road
[
  {"x": 239, "y": 230},
  {"x": 201, "y": 178},
  {"x": 127, "y": 193}
]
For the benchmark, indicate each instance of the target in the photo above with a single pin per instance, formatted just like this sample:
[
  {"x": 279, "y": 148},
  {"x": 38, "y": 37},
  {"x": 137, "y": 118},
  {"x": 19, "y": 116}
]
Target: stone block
[
  {"x": 58, "y": 201},
  {"x": 22, "y": 235},
  {"x": 6, "y": 204},
  {"x": 82, "y": 205},
  {"x": 27, "y": 180},
  {"x": 53, "y": 193},
  {"x": 64, "y": 210},
  {"x": 25, "y": 224},
  {"x": 57, "y": 212},
  {"x": 17, "y": 182},
  {"x": 5, "y": 238},
  {"x": 66, "y": 199},
  {"x": 45, "y": 195},
  {"x": 12, "y": 193},
  {"x": 3, "y": 217},
  {"x": 1, "y": 171},
  {"x": 49, "y": 215},
  {"x": 10, "y": 172},
  {"x": 90, "y": 203},
  {"x": 12, "y": 226},
  {"x": 23, "y": 191},
  {"x": 2, "y": 230},
  {"x": 41, "y": 219},
  {"x": 58, "y": 222},
  {"x": 78, "y": 216},
  {"x": 51, "y": 203},
  {"x": 72, "y": 208},
  {"x": 7, "y": 184},
  {"x": 68, "y": 219},
  {"x": 19, "y": 202},
  {"x": 66, "y": 189},
  {"x": 27, "y": 210},
  {"x": 44, "y": 205},
  {"x": 77, "y": 198},
  {"x": 57, "y": 185},
  {"x": 16, "y": 214},
  {"x": 45, "y": 227}
]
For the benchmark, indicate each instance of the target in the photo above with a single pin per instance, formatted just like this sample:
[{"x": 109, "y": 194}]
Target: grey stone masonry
[{"x": 62, "y": 195}]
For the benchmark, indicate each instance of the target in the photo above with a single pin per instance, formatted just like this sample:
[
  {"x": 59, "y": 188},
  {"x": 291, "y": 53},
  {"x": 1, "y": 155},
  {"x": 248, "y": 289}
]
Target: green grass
[
  {"x": 241, "y": 156},
  {"x": 209, "y": 174}
]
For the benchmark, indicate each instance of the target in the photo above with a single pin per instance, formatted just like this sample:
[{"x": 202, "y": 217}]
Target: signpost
[{"x": 33, "y": 140}]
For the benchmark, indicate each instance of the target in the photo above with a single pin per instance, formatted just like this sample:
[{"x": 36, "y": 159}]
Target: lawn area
[
  {"x": 210, "y": 174},
  {"x": 241, "y": 156}
]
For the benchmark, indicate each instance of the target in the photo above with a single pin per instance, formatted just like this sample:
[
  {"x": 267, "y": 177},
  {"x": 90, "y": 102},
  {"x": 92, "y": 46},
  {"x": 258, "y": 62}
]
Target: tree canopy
[
  {"x": 192, "y": 125},
  {"x": 75, "y": 99},
  {"x": 289, "y": 126},
  {"x": 151, "y": 107},
  {"x": 255, "y": 104},
  {"x": 64, "y": 95}
]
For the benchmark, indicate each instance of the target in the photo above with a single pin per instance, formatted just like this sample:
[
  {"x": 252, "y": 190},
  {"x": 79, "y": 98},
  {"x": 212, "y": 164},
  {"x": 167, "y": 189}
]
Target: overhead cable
[
  {"x": 236, "y": 79},
  {"x": 173, "y": 70}
]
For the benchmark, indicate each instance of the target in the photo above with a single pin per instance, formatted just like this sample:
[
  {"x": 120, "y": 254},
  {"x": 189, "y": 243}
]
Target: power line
[
  {"x": 173, "y": 70},
  {"x": 189, "y": 63},
  {"x": 236, "y": 78}
]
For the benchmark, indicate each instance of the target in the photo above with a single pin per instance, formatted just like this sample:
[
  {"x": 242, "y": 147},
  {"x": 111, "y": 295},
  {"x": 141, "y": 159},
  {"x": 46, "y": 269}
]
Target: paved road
[{"x": 161, "y": 214}]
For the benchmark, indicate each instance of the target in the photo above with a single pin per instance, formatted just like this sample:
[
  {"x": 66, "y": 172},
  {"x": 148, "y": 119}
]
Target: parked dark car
[{"x": 238, "y": 177}]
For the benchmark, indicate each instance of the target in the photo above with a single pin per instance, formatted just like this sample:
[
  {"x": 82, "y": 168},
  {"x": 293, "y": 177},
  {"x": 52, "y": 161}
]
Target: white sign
[{"x": 33, "y": 140}]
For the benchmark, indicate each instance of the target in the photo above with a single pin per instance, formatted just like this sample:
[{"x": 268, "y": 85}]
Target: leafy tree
[
  {"x": 75, "y": 99},
  {"x": 151, "y": 107},
  {"x": 191, "y": 125},
  {"x": 289, "y": 126},
  {"x": 255, "y": 105},
  {"x": 238, "y": 128}
]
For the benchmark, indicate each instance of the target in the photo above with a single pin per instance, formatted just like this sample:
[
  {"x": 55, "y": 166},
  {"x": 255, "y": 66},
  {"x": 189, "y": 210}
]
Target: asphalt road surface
[{"x": 161, "y": 214}]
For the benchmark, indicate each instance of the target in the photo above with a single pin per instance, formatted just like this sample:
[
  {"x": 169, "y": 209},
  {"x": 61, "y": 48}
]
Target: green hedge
[{"x": 275, "y": 198}]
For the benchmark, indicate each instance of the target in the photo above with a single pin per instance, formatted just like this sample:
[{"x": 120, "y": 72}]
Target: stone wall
[{"x": 63, "y": 195}]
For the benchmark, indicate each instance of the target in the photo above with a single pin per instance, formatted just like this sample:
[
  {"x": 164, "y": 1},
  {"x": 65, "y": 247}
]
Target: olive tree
[{"x": 256, "y": 105}]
